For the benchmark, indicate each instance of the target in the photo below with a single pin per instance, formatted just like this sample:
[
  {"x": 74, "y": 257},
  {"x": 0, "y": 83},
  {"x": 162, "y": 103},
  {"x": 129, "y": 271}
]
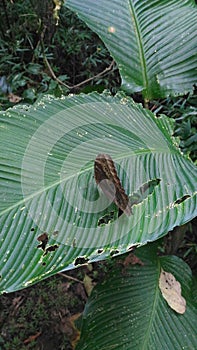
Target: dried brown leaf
[{"x": 171, "y": 291}]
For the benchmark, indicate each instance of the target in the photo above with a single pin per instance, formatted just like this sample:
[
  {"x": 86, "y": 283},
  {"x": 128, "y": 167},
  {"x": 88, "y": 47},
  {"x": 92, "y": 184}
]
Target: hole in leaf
[
  {"x": 137, "y": 197},
  {"x": 114, "y": 252},
  {"x": 107, "y": 218},
  {"x": 182, "y": 199},
  {"x": 144, "y": 191},
  {"x": 43, "y": 238},
  {"x": 51, "y": 248},
  {"x": 80, "y": 261},
  {"x": 99, "y": 251},
  {"x": 131, "y": 248}
]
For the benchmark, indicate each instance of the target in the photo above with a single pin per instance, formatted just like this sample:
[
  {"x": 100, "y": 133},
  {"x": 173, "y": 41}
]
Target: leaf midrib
[
  {"x": 154, "y": 309},
  {"x": 139, "y": 41}
]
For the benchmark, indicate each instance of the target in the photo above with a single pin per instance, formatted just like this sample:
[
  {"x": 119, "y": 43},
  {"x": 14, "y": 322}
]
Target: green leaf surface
[
  {"x": 128, "y": 311},
  {"x": 154, "y": 43},
  {"x": 47, "y": 183}
]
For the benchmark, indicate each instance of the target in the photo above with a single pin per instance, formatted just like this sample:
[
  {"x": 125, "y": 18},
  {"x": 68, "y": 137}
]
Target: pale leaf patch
[{"x": 171, "y": 291}]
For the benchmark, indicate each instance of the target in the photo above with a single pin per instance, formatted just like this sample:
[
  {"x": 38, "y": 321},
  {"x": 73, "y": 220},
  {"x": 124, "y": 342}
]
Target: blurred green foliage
[{"x": 184, "y": 111}]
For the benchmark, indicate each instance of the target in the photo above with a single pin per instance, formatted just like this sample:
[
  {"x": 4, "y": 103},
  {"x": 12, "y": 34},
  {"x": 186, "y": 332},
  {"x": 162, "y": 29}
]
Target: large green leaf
[
  {"x": 128, "y": 310},
  {"x": 47, "y": 183},
  {"x": 153, "y": 42}
]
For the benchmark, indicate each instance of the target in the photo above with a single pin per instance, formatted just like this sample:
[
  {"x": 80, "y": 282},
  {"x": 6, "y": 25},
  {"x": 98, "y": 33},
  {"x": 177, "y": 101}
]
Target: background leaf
[
  {"x": 128, "y": 310},
  {"x": 155, "y": 51},
  {"x": 47, "y": 184}
]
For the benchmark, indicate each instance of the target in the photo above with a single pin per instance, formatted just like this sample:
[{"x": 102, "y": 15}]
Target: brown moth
[{"x": 106, "y": 177}]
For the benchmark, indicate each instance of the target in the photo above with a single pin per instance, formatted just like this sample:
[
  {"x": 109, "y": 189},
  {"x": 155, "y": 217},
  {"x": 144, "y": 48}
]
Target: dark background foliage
[{"x": 34, "y": 46}]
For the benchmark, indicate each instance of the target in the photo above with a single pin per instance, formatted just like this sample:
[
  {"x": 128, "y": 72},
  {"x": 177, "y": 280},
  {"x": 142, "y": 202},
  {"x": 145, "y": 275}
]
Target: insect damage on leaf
[
  {"x": 43, "y": 239},
  {"x": 171, "y": 290},
  {"x": 106, "y": 177}
]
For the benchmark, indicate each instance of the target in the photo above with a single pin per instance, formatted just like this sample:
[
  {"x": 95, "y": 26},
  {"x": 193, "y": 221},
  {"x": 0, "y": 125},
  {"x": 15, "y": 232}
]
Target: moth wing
[{"x": 108, "y": 189}]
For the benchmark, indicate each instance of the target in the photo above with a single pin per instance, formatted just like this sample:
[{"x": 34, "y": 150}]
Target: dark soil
[{"x": 39, "y": 317}]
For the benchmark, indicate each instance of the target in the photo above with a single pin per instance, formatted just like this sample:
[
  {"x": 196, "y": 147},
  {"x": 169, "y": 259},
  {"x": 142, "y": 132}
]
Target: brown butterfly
[{"x": 106, "y": 177}]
